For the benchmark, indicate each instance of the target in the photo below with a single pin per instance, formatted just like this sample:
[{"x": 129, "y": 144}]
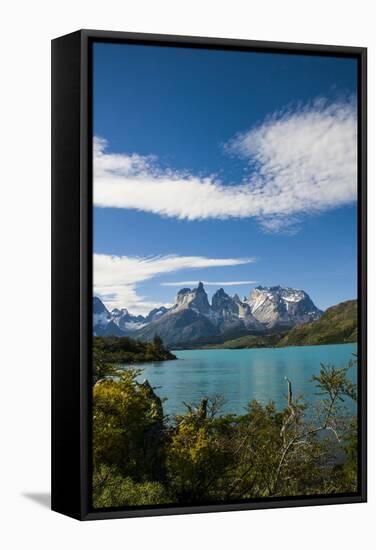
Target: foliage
[
  {"x": 127, "y": 427},
  {"x": 205, "y": 456},
  {"x": 110, "y": 488},
  {"x": 101, "y": 367},
  {"x": 116, "y": 350},
  {"x": 199, "y": 453}
]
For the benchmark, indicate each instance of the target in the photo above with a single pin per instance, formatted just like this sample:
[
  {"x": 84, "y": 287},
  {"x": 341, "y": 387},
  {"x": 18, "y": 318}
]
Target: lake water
[{"x": 242, "y": 375}]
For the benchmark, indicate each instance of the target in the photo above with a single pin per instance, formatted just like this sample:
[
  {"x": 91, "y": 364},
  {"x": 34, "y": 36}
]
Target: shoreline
[{"x": 207, "y": 348}]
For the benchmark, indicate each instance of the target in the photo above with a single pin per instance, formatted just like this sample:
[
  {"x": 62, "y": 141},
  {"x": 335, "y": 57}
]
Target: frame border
[{"x": 64, "y": 479}]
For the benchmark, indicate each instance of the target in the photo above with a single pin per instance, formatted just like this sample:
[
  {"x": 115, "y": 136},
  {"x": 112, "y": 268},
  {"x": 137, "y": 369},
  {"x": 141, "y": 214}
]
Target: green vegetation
[
  {"x": 141, "y": 458},
  {"x": 338, "y": 325},
  {"x": 251, "y": 341},
  {"x": 111, "y": 350}
]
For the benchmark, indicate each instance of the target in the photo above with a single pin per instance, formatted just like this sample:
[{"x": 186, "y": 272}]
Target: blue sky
[{"x": 224, "y": 167}]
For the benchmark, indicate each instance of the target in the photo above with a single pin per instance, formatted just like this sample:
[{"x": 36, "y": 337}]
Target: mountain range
[
  {"x": 192, "y": 319},
  {"x": 337, "y": 325}
]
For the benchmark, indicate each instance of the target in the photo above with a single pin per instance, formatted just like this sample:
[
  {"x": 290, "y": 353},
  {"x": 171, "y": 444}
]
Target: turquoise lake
[{"x": 242, "y": 375}]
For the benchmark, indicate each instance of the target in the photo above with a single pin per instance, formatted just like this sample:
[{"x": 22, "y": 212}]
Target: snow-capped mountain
[
  {"x": 230, "y": 313},
  {"x": 283, "y": 307},
  {"x": 189, "y": 319},
  {"x": 195, "y": 299},
  {"x": 192, "y": 318},
  {"x": 101, "y": 315},
  {"x": 155, "y": 314},
  {"x": 125, "y": 321},
  {"x": 103, "y": 323}
]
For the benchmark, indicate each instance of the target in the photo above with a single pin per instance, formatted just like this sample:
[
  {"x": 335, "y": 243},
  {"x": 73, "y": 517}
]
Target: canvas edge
[
  {"x": 86, "y": 38},
  {"x": 65, "y": 274}
]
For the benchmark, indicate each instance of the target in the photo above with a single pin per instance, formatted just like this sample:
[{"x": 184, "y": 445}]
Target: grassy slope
[{"x": 338, "y": 325}]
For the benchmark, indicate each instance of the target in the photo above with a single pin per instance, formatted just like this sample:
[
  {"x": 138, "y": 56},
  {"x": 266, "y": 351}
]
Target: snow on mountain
[
  {"x": 282, "y": 307},
  {"x": 231, "y": 313},
  {"x": 127, "y": 322},
  {"x": 155, "y": 314},
  {"x": 101, "y": 315},
  {"x": 103, "y": 324},
  {"x": 193, "y": 318},
  {"x": 195, "y": 299}
]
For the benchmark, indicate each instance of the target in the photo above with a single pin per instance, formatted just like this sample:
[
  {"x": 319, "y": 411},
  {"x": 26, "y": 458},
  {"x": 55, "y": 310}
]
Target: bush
[
  {"x": 204, "y": 456},
  {"x": 112, "y": 489}
]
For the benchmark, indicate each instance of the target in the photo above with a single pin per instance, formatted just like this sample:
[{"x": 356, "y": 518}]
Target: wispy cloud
[
  {"x": 116, "y": 277},
  {"x": 301, "y": 161},
  {"x": 208, "y": 283}
]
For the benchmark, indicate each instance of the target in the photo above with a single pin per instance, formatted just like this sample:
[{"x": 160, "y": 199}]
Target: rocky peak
[
  {"x": 222, "y": 303},
  {"x": 277, "y": 305},
  {"x": 102, "y": 320},
  {"x": 195, "y": 299},
  {"x": 116, "y": 312},
  {"x": 155, "y": 313},
  {"x": 98, "y": 306},
  {"x": 221, "y": 292}
]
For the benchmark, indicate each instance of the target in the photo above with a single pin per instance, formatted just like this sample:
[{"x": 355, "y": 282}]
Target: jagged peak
[
  {"x": 278, "y": 288},
  {"x": 269, "y": 288},
  {"x": 184, "y": 290},
  {"x": 220, "y": 292},
  {"x": 98, "y": 306},
  {"x": 122, "y": 311}
]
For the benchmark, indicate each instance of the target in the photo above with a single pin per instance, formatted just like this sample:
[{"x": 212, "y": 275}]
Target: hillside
[
  {"x": 250, "y": 341},
  {"x": 338, "y": 325}
]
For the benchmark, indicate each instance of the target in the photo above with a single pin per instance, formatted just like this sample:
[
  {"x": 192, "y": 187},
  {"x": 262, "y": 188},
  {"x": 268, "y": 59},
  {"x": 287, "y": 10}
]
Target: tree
[
  {"x": 127, "y": 421},
  {"x": 205, "y": 456},
  {"x": 199, "y": 453},
  {"x": 101, "y": 367}
]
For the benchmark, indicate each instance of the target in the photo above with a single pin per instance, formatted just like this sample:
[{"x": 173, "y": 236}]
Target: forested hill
[
  {"x": 123, "y": 349},
  {"x": 338, "y": 325}
]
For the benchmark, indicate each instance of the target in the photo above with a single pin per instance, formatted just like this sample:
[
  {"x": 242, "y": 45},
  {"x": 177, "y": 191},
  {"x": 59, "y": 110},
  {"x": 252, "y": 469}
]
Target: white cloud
[
  {"x": 301, "y": 161},
  {"x": 116, "y": 277},
  {"x": 208, "y": 283}
]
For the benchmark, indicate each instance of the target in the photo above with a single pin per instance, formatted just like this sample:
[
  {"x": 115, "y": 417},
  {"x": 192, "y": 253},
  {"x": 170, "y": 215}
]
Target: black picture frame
[{"x": 72, "y": 268}]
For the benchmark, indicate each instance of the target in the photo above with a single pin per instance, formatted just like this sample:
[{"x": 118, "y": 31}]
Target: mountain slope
[
  {"x": 339, "y": 324},
  {"x": 250, "y": 341},
  {"x": 183, "y": 326},
  {"x": 231, "y": 314},
  {"x": 103, "y": 324}
]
